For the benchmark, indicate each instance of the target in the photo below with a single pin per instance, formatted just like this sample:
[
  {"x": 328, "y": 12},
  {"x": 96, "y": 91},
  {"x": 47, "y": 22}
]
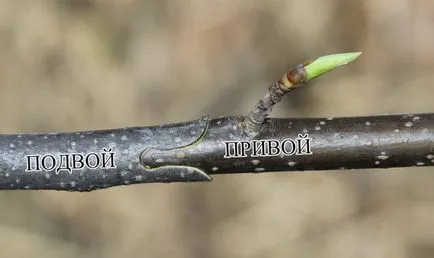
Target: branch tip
[
  {"x": 293, "y": 79},
  {"x": 327, "y": 63}
]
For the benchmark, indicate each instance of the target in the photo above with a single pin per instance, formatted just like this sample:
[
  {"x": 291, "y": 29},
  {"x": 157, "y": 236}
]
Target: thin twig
[
  {"x": 252, "y": 123},
  {"x": 290, "y": 81}
]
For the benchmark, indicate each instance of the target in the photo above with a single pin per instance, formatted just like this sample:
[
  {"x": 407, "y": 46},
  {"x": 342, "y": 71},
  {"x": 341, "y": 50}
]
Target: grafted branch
[{"x": 195, "y": 150}]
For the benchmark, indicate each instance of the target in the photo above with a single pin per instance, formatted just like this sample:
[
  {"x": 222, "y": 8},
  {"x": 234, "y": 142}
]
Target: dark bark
[{"x": 193, "y": 151}]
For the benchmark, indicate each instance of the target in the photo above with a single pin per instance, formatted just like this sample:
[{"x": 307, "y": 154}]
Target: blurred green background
[{"x": 70, "y": 65}]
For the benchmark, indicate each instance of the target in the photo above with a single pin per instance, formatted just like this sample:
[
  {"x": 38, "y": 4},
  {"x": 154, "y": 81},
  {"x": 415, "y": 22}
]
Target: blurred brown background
[{"x": 70, "y": 65}]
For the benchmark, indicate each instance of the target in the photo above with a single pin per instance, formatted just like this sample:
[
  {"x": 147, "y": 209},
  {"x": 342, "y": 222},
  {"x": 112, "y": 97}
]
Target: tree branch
[{"x": 195, "y": 150}]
